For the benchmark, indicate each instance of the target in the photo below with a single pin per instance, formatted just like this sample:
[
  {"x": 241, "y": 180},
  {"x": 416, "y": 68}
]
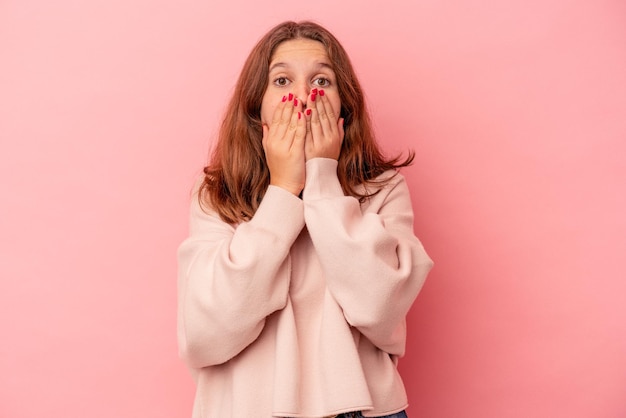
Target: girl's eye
[
  {"x": 281, "y": 81},
  {"x": 321, "y": 82}
]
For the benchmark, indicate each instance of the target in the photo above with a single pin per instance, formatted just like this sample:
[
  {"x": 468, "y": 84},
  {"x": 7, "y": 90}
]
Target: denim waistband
[{"x": 357, "y": 414}]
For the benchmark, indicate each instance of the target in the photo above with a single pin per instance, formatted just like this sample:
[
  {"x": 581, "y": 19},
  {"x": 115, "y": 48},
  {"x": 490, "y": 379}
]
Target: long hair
[{"x": 237, "y": 176}]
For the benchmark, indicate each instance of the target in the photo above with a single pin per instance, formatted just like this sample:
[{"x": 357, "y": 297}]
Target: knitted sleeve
[
  {"x": 373, "y": 262},
  {"x": 232, "y": 277}
]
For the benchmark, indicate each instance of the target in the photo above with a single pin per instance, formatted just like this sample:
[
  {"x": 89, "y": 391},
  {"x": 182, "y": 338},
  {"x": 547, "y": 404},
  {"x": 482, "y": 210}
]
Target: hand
[
  {"x": 324, "y": 133},
  {"x": 283, "y": 143}
]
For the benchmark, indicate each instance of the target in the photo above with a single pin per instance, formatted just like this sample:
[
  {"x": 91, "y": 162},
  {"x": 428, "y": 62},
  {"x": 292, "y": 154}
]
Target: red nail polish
[
  {"x": 284, "y": 98},
  {"x": 290, "y": 96},
  {"x": 308, "y": 112},
  {"x": 314, "y": 91},
  {"x": 299, "y": 115},
  {"x": 295, "y": 102},
  {"x": 313, "y": 96},
  {"x": 322, "y": 93}
]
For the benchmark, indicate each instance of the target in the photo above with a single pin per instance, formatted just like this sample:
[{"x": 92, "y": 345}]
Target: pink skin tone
[{"x": 300, "y": 112}]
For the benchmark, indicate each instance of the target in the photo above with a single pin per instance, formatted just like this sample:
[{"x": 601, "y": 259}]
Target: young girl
[{"x": 301, "y": 263}]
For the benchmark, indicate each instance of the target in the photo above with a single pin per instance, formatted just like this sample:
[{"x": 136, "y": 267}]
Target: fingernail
[
  {"x": 322, "y": 93},
  {"x": 299, "y": 115},
  {"x": 313, "y": 97},
  {"x": 308, "y": 112},
  {"x": 295, "y": 102},
  {"x": 290, "y": 96},
  {"x": 314, "y": 91},
  {"x": 284, "y": 98}
]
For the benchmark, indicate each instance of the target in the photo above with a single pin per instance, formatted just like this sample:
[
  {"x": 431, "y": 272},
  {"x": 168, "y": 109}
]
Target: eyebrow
[{"x": 320, "y": 64}]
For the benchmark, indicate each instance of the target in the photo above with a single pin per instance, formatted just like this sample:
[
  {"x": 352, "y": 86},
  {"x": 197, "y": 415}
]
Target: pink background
[{"x": 516, "y": 110}]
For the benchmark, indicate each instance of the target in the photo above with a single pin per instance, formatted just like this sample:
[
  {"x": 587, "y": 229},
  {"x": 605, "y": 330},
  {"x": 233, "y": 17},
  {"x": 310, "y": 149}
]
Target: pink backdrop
[{"x": 516, "y": 111}]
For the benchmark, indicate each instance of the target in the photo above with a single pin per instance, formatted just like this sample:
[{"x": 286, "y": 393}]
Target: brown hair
[{"x": 237, "y": 176}]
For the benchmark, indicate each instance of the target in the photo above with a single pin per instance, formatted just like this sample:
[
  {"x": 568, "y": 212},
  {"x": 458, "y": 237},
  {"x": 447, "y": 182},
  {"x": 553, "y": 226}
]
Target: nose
[{"x": 301, "y": 91}]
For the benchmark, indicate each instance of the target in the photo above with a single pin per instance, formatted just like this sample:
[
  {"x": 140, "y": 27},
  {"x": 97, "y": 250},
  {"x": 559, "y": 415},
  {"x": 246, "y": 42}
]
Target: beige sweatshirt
[{"x": 300, "y": 312}]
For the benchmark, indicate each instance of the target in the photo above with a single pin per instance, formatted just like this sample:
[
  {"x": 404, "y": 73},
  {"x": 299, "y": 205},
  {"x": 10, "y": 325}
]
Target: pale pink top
[{"x": 300, "y": 312}]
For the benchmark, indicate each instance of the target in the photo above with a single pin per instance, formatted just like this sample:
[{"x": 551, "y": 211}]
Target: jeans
[{"x": 400, "y": 414}]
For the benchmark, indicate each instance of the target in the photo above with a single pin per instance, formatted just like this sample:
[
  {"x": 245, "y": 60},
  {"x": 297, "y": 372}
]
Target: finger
[
  {"x": 283, "y": 115},
  {"x": 290, "y": 133},
  {"x": 300, "y": 132},
  {"x": 276, "y": 117},
  {"x": 308, "y": 138},
  {"x": 290, "y": 115},
  {"x": 326, "y": 113},
  {"x": 266, "y": 131},
  {"x": 307, "y": 116},
  {"x": 297, "y": 108},
  {"x": 340, "y": 128},
  {"x": 317, "y": 133},
  {"x": 313, "y": 96}
]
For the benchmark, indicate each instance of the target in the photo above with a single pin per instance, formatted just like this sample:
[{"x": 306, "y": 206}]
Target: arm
[
  {"x": 374, "y": 264},
  {"x": 232, "y": 278}
]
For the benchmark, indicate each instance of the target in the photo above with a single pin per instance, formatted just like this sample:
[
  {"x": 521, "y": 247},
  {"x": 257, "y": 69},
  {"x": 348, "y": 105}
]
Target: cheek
[{"x": 267, "y": 110}]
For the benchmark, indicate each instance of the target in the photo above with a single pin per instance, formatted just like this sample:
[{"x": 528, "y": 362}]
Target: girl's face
[{"x": 297, "y": 67}]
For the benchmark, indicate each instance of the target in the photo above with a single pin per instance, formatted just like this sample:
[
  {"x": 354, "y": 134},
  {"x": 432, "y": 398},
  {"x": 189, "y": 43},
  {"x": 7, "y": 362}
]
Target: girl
[{"x": 301, "y": 263}]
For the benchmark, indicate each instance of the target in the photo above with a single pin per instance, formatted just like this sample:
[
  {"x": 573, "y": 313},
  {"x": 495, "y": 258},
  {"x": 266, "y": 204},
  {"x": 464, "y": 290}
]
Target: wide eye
[
  {"x": 321, "y": 82},
  {"x": 281, "y": 81}
]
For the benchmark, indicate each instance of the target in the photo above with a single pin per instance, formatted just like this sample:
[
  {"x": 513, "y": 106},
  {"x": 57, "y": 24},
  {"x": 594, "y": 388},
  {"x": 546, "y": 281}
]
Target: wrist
[{"x": 292, "y": 188}]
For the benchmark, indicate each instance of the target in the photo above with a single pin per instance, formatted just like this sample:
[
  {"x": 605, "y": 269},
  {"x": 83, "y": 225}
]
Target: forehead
[{"x": 299, "y": 49}]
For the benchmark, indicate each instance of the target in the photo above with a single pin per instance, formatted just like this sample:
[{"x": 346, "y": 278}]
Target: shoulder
[
  {"x": 391, "y": 177},
  {"x": 385, "y": 188},
  {"x": 384, "y": 182},
  {"x": 202, "y": 209}
]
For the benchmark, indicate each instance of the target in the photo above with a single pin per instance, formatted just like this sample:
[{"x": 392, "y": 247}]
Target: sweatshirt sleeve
[
  {"x": 374, "y": 264},
  {"x": 230, "y": 278}
]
